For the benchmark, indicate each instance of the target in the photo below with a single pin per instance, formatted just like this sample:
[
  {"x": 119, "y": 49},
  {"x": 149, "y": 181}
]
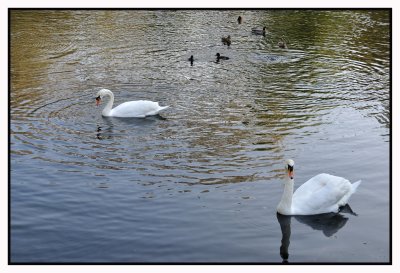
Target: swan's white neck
[
  {"x": 107, "y": 109},
  {"x": 285, "y": 206}
]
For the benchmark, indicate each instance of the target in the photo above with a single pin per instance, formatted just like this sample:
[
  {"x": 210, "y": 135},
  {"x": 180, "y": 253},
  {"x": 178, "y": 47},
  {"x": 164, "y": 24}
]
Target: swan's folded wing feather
[
  {"x": 320, "y": 194},
  {"x": 138, "y": 108}
]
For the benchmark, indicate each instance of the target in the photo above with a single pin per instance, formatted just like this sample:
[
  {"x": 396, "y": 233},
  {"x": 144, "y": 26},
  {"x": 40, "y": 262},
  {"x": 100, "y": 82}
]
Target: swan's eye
[
  {"x": 290, "y": 168},
  {"x": 98, "y": 98}
]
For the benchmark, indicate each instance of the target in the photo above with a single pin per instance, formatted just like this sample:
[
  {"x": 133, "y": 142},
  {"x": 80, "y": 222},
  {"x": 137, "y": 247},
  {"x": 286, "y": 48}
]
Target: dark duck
[
  {"x": 259, "y": 31},
  {"x": 226, "y": 40},
  {"x": 220, "y": 57}
]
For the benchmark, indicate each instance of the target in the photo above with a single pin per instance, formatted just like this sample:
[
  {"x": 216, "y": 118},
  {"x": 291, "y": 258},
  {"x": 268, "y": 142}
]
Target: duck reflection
[{"x": 328, "y": 223}]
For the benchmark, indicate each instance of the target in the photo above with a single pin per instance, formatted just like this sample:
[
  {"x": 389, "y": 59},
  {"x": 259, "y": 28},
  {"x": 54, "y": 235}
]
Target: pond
[{"x": 200, "y": 182}]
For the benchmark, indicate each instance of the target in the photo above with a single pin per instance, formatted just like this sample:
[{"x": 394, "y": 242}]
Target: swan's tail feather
[
  {"x": 352, "y": 190},
  {"x": 355, "y": 185},
  {"x": 163, "y": 107},
  {"x": 156, "y": 111}
]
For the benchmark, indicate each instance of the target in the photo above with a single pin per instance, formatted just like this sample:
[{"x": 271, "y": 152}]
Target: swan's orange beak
[
  {"x": 98, "y": 100},
  {"x": 290, "y": 172}
]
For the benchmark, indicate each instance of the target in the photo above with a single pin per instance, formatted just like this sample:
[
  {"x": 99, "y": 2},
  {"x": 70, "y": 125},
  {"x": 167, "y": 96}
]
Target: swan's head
[
  {"x": 218, "y": 55},
  {"x": 290, "y": 168},
  {"x": 100, "y": 95}
]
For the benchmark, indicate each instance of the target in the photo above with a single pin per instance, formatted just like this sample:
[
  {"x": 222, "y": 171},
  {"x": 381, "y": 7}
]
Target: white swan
[
  {"x": 134, "y": 109},
  {"x": 323, "y": 193}
]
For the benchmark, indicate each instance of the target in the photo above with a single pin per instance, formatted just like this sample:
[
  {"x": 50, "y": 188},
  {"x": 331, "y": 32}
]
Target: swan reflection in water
[
  {"x": 105, "y": 131},
  {"x": 106, "y": 134},
  {"x": 328, "y": 223}
]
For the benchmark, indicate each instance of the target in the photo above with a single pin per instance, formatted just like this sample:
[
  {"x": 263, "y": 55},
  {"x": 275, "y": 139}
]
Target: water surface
[{"x": 199, "y": 183}]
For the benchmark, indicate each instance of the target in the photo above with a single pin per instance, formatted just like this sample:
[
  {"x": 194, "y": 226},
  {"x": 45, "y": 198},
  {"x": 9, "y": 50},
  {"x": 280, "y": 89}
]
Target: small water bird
[
  {"x": 220, "y": 57},
  {"x": 239, "y": 19},
  {"x": 226, "y": 40},
  {"x": 323, "y": 193},
  {"x": 282, "y": 43},
  {"x": 257, "y": 31},
  {"x": 191, "y": 60},
  {"x": 134, "y": 109}
]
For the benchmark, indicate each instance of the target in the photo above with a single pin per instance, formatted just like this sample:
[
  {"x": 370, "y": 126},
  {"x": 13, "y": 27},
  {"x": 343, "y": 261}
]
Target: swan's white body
[
  {"x": 136, "y": 109},
  {"x": 323, "y": 193}
]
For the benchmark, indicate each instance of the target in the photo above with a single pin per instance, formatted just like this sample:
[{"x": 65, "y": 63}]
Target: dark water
[{"x": 201, "y": 182}]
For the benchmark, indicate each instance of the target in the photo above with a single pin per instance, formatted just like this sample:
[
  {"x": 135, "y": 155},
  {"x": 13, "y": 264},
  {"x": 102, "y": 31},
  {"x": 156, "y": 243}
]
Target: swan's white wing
[
  {"x": 140, "y": 108},
  {"x": 322, "y": 193}
]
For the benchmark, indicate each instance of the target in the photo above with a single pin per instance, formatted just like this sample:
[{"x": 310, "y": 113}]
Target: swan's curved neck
[
  {"x": 108, "y": 107},
  {"x": 285, "y": 206}
]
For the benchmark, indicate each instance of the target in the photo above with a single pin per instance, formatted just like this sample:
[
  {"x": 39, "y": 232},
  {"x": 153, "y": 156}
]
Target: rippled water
[{"x": 200, "y": 182}]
